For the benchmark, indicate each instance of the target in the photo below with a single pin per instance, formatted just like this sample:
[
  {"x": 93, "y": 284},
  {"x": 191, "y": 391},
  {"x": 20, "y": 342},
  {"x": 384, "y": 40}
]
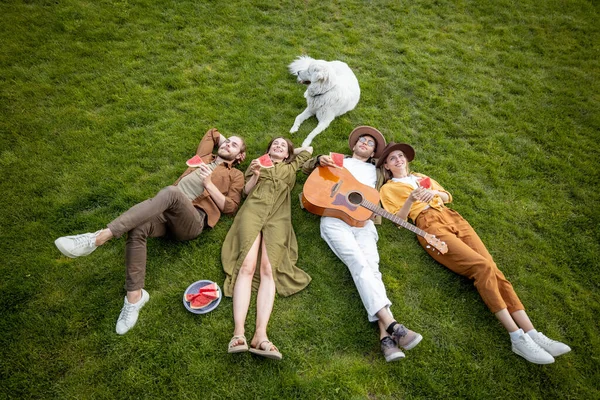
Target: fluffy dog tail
[{"x": 300, "y": 64}]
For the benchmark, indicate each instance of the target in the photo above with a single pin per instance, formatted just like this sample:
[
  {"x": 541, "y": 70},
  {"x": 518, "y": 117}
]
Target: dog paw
[{"x": 294, "y": 129}]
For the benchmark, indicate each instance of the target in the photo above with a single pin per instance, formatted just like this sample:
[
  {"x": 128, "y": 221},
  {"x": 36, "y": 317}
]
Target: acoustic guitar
[{"x": 334, "y": 192}]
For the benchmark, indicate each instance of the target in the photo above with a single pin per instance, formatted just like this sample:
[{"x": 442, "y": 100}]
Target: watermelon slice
[
  {"x": 195, "y": 161},
  {"x": 425, "y": 182},
  {"x": 265, "y": 161},
  {"x": 200, "y": 301},
  {"x": 190, "y": 296},
  {"x": 209, "y": 291},
  {"x": 337, "y": 158}
]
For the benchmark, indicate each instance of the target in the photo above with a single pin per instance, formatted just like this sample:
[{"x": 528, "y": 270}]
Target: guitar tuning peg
[{"x": 428, "y": 246}]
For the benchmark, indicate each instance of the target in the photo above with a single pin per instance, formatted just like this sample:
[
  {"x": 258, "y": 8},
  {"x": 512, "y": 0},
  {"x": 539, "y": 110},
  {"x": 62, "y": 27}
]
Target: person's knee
[
  {"x": 247, "y": 269},
  {"x": 170, "y": 193},
  {"x": 483, "y": 270},
  {"x": 138, "y": 233},
  {"x": 266, "y": 272}
]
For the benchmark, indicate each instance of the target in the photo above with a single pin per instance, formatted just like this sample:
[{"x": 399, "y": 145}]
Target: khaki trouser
[
  {"x": 467, "y": 256},
  {"x": 170, "y": 211}
]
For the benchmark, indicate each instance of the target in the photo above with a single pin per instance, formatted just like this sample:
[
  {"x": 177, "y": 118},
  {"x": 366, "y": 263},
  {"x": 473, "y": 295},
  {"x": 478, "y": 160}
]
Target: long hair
[{"x": 291, "y": 155}]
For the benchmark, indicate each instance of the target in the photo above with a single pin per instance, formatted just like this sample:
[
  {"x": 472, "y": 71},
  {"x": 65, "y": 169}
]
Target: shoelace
[
  {"x": 388, "y": 343},
  {"x": 545, "y": 340},
  {"x": 531, "y": 344},
  {"x": 126, "y": 311},
  {"x": 400, "y": 331},
  {"x": 85, "y": 241}
]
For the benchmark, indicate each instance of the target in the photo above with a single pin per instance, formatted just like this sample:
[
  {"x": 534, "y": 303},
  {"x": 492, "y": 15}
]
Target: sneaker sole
[
  {"x": 414, "y": 342},
  {"x": 395, "y": 357},
  {"x": 539, "y": 362}
]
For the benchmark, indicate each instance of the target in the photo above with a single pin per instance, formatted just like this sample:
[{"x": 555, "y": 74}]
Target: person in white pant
[{"x": 356, "y": 247}]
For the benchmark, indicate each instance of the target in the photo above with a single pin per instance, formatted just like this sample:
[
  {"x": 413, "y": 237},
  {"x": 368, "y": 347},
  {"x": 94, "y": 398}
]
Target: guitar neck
[{"x": 394, "y": 218}]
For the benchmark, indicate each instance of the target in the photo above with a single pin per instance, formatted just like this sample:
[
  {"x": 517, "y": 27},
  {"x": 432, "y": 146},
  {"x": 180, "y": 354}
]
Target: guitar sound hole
[{"x": 355, "y": 198}]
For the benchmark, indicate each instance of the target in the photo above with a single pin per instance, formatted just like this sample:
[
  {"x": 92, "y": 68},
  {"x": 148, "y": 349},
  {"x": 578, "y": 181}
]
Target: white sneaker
[
  {"x": 551, "y": 346},
  {"x": 77, "y": 245},
  {"x": 129, "y": 313},
  {"x": 529, "y": 350}
]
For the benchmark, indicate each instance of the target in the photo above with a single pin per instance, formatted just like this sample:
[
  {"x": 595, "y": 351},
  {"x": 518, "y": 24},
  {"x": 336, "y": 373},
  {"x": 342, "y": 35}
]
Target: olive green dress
[{"x": 268, "y": 210}]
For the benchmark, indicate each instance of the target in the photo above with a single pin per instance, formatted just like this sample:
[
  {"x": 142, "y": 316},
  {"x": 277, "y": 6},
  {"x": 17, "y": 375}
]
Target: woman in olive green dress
[{"x": 262, "y": 234}]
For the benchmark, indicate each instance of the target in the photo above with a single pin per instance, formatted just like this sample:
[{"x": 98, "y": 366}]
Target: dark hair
[{"x": 291, "y": 155}]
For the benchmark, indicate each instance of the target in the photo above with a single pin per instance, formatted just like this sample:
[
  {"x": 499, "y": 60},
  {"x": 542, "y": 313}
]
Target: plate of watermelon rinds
[{"x": 202, "y": 297}]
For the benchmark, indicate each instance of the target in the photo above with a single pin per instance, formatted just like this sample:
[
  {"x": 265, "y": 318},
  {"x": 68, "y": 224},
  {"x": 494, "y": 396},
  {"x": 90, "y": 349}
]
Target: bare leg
[
  {"x": 265, "y": 298},
  {"x": 385, "y": 319},
  {"x": 243, "y": 288},
  {"x": 104, "y": 236},
  {"x": 135, "y": 296},
  {"x": 521, "y": 318},
  {"x": 506, "y": 320}
]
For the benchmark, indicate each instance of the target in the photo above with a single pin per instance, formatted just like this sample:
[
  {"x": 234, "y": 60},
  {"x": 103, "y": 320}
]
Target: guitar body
[{"x": 326, "y": 193}]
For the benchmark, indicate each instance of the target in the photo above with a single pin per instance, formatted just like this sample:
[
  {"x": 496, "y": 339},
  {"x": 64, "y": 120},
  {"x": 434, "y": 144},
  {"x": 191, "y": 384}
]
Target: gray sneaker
[
  {"x": 406, "y": 338},
  {"x": 77, "y": 245},
  {"x": 390, "y": 349},
  {"x": 129, "y": 313}
]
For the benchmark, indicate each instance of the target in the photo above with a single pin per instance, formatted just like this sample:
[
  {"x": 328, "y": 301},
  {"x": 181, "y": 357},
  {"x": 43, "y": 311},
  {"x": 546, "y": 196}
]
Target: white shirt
[
  {"x": 410, "y": 180},
  {"x": 364, "y": 172}
]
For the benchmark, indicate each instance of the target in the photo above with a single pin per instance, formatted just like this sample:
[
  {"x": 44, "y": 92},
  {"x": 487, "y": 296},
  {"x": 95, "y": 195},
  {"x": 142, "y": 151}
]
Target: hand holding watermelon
[{"x": 338, "y": 159}]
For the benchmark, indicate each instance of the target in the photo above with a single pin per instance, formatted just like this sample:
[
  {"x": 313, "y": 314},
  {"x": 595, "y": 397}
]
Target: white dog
[{"x": 332, "y": 91}]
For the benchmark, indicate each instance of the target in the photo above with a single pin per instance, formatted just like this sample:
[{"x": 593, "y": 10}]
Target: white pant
[{"x": 357, "y": 248}]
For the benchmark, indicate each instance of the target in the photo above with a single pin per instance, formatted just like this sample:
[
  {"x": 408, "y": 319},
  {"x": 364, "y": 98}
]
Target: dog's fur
[{"x": 332, "y": 91}]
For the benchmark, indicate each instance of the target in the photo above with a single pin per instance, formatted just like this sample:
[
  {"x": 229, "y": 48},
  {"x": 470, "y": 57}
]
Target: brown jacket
[{"x": 229, "y": 180}]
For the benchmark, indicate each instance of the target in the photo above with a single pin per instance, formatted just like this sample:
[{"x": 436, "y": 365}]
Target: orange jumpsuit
[{"x": 467, "y": 255}]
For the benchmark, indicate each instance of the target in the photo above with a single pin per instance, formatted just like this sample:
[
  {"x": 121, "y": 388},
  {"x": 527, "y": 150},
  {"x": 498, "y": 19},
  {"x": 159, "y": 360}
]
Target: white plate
[{"x": 193, "y": 288}]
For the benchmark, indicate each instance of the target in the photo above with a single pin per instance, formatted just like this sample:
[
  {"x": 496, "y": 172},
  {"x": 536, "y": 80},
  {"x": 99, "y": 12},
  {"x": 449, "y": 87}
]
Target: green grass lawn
[{"x": 102, "y": 102}]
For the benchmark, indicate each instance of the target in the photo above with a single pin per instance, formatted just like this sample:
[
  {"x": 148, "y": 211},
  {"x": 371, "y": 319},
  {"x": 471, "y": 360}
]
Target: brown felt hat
[
  {"x": 407, "y": 149},
  {"x": 367, "y": 130}
]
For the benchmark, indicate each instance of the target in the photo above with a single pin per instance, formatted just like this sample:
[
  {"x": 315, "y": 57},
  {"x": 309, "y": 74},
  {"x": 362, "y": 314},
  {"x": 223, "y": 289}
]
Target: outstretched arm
[{"x": 299, "y": 150}]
